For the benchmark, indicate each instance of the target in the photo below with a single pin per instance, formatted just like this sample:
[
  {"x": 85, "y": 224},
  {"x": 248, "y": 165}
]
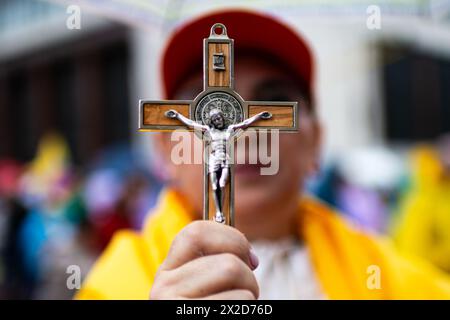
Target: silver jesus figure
[{"x": 220, "y": 135}]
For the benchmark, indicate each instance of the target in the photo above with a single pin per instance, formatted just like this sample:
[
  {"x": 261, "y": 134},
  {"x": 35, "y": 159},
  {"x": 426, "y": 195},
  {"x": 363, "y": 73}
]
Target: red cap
[{"x": 261, "y": 33}]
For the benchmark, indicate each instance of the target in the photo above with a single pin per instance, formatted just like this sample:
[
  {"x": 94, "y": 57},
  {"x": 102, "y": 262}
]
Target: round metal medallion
[{"x": 229, "y": 105}]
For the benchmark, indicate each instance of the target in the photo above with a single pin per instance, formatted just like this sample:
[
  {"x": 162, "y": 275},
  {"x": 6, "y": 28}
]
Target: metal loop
[{"x": 213, "y": 30}]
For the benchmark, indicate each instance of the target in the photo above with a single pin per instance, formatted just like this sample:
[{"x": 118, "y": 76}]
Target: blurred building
[{"x": 55, "y": 79}]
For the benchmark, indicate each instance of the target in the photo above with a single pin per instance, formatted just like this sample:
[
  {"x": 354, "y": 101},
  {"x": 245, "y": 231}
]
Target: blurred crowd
[
  {"x": 404, "y": 194},
  {"x": 54, "y": 215}
]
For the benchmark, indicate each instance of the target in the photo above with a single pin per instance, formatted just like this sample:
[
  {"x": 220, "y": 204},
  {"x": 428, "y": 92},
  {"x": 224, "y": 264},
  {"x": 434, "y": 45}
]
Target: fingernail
[{"x": 254, "y": 261}]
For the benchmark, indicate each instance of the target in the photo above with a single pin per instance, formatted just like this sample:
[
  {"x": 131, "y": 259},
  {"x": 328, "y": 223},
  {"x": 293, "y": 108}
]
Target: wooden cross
[{"x": 218, "y": 97}]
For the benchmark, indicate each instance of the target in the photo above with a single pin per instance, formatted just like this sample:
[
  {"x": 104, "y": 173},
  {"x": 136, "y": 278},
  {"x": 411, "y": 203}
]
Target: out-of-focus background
[{"x": 74, "y": 169}]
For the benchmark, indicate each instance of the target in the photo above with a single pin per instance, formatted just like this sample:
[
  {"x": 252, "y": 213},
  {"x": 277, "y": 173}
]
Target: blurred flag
[
  {"x": 423, "y": 224},
  {"x": 48, "y": 170}
]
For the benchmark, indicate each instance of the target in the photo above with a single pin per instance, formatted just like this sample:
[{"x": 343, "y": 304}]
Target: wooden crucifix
[{"x": 217, "y": 115}]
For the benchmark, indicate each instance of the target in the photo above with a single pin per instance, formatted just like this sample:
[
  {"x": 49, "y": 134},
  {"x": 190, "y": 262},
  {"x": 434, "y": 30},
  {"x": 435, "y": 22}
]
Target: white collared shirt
[{"x": 285, "y": 271}]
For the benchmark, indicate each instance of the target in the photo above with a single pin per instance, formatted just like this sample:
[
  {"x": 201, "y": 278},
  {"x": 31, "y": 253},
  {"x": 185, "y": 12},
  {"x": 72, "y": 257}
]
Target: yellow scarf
[{"x": 349, "y": 264}]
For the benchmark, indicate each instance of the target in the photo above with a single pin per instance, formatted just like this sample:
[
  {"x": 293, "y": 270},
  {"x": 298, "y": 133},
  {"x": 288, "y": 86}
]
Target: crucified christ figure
[{"x": 220, "y": 135}]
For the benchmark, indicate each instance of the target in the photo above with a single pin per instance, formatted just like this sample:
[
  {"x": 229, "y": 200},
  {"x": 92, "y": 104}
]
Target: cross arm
[
  {"x": 247, "y": 122},
  {"x": 173, "y": 114},
  {"x": 152, "y": 114},
  {"x": 284, "y": 115}
]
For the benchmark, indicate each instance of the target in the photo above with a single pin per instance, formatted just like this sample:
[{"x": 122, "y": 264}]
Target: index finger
[{"x": 202, "y": 238}]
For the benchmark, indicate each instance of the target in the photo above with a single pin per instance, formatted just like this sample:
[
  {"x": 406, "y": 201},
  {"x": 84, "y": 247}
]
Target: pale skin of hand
[{"x": 207, "y": 260}]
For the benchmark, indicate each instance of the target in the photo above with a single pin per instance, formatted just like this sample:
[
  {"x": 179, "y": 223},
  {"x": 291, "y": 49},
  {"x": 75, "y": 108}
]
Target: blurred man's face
[{"x": 257, "y": 196}]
